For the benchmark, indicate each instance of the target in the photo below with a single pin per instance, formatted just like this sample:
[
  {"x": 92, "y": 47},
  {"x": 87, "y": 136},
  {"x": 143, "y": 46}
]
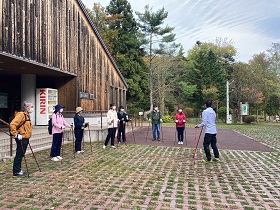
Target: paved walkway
[{"x": 147, "y": 176}]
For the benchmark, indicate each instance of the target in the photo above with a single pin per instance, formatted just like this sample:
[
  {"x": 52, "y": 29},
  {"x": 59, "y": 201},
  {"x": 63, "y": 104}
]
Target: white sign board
[
  {"x": 141, "y": 113},
  {"x": 244, "y": 109}
]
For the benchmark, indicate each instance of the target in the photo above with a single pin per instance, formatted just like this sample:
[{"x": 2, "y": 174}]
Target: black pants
[
  {"x": 121, "y": 133},
  {"x": 210, "y": 139},
  {"x": 111, "y": 135},
  {"x": 79, "y": 138},
  {"x": 20, "y": 152},
  {"x": 180, "y": 132},
  {"x": 56, "y": 144}
]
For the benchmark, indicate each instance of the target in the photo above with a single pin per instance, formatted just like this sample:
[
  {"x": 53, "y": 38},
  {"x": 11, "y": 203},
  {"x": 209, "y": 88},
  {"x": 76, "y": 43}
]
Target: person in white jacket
[
  {"x": 209, "y": 121},
  {"x": 112, "y": 120}
]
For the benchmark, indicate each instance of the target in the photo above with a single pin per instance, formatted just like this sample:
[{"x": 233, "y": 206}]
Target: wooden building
[{"x": 54, "y": 44}]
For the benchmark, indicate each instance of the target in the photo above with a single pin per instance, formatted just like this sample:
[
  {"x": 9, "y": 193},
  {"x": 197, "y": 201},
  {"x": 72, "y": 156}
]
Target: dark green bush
[
  {"x": 249, "y": 118},
  {"x": 222, "y": 113}
]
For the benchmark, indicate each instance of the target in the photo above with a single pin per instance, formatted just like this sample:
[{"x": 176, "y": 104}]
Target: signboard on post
[{"x": 244, "y": 109}]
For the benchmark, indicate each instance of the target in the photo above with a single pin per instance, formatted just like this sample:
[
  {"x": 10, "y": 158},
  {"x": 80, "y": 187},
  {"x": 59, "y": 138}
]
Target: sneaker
[
  {"x": 82, "y": 151},
  {"x": 104, "y": 147},
  {"x": 120, "y": 142},
  {"x": 153, "y": 139},
  {"x": 207, "y": 161},
  {"x": 113, "y": 147},
  {"x": 158, "y": 139},
  {"x": 216, "y": 159},
  {"x": 55, "y": 159},
  {"x": 60, "y": 158},
  {"x": 21, "y": 174},
  {"x": 179, "y": 142},
  {"x": 78, "y": 152}
]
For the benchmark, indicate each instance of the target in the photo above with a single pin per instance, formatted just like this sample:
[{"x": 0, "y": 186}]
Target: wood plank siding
[{"x": 59, "y": 35}]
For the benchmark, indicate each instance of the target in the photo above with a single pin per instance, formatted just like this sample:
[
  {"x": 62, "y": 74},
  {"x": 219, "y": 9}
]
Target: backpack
[{"x": 50, "y": 126}]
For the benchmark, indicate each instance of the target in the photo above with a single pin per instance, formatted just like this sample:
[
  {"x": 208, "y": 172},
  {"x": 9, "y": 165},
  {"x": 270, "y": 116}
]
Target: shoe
[
  {"x": 55, "y": 159},
  {"x": 207, "y": 161},
  {"x": 21, "y": 174},
  {"x": 153, "y": 139},
  {"x": 179, "y": 142},
  {"x": 158, "y": 139},
  {"x": 82, "y": 151},
  {"x": 216, "y": 159},
  {"x": 58, "y": 157},
  {"x": 78, "y": 152},
  {"x": 120, "y": 142},
  {"x": 182, "y": 142},
  {"x": 113, "y": 147},
  {"x": 104, "y": 147}
]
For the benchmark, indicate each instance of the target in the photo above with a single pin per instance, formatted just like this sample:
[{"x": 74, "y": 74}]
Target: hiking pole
[
  {"x": 133, "y": 132},
  {"x": 148, "y": 131},
  {"x": 83, "y": 142},
  {"x": 62, "y": 145},
  {"x": 72, "y": 131},
  {"x": 24, "y": 158},
  {"x": 119, "y": 133},
  {"x": 161, "y": 129},
  {"x": 197, "y": 142},
  {"x": 186, "y": 135},
  {"x": 89, "y": 138},
  {"x": 34, "y": 157},
  {"x": 175, "y": 136}
]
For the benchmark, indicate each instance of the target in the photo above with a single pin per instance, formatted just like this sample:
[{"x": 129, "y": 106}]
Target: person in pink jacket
[
  {"x": 180, "y": 120},
  {"x": 58, "y": 126}
]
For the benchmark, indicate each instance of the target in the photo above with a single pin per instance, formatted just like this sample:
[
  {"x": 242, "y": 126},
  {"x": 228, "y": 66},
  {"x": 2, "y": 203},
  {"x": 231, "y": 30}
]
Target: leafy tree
[
  {"x": 274, "y": 58},
  {"x": 156, "y": 39},
  {"x": 272, "y": 107}
]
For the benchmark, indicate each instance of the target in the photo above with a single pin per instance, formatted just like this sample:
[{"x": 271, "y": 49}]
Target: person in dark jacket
[
  {"x": 123, "y": 118},
  {"x": 180, "y": 120},
  {"x": 80, "y": 125},
  {"x": 156, "y": 119}
]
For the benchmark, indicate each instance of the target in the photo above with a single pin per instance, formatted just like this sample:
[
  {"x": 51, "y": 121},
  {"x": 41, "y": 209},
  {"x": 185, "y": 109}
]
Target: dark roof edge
[{"x": 101, "y": 40}]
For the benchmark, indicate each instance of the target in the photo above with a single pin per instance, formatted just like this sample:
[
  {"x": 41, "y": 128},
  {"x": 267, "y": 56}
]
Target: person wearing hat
[
  {"x": 123, "y": 118},
  {"x": 80, "y": 125},
  {"x": 156, "y": 119},
  {"x": 180, "y": 120},
  {"x": 58, "y": 127},
  {"x": 112, "y": 120}
]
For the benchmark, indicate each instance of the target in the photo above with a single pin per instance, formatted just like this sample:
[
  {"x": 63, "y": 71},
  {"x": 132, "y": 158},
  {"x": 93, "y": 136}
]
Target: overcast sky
[{"x": 252, "y": 25}]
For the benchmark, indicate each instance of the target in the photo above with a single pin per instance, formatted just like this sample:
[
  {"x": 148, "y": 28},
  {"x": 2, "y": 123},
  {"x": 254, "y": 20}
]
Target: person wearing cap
[
  {"x": 112, "y": 121},
  {"x": 180, "y": 120},
  {"x": 156, "y": 119},
  {"x": 21, "y": 130},
  {"x": 58, "y": 127},
  {"x": 209, "y": 122},
  {"x": 80, "y": 125},
  {"x": 123, "y": 118}
]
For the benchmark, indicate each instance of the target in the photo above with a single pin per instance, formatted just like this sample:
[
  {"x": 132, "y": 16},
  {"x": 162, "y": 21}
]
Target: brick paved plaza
[{"x": 149, "y": 175}]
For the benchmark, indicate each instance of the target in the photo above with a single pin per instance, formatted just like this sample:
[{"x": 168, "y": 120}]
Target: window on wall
[{"x": 111, "y": 95}]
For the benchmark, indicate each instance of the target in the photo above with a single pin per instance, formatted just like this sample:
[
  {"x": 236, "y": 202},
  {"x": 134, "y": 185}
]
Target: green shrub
[
  {"x": 222, "y": 113},
  {"x": 167, "y": 119},
  {"x": 249, "y": 118},
  {"x": 188, "y": 111}
]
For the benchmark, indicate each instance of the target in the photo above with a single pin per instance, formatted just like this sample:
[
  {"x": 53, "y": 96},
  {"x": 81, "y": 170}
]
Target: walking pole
[
  {"x": 89, "y": 138},
  {"x": 194, "y": 155},
  {"x": 124, "y": 135},
  {"x": 34, "y": 157},
  {"x": 83, "y": 149},
  {"x": 186, "y": 135},
  {"x": 24, "y": 158},
  {"x": 133, "y": 132},
  {"x": 114, "y": 132},
  {"x": 175, "y": 136},
  {"x": 119, "y": 133},
  {"x": 72, "y": 131},
  {"x": 161, "y": 129},
  {"x": 148, "y": 131},
  {"x": 62, "y": 145}
]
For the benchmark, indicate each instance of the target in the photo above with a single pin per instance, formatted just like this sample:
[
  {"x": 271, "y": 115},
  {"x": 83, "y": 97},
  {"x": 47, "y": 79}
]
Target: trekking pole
[
  {"x": 24, "y": 158},
  {"x": 175, "y": 136},
  {"x": 83, "y": 142},
  {"x": 114, "y": 132},
  {"x": 62, "y": 145},
  {"x": 124, "y": 134},
  {"x": 161, "y": 129},
  {"x": 89, "y": 138},
  {"x": 133, "y": 132},
  {"x": 72, "y": 131},
  {"x": 119, "y": 133},
  {"x": 148, "y": 131},
  {"x": 186, "y": 135},
  {"x": 197, "y": 142},
  {"x": 34, "y": 157}
]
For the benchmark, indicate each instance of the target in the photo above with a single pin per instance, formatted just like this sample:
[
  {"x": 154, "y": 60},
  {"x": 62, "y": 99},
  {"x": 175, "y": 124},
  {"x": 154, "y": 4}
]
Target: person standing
[
  {"x": 112, "y": 120},
  {"x": 21, "y": 130},
  {"x": 156, "y": 119},
  {"x": 209, "y": 121},
  {"x": 58, "y": 127},
  {"x": 180, "y": 120},
  {"x": 123, "y": 118},
  {"x": 80, "y": 125}
]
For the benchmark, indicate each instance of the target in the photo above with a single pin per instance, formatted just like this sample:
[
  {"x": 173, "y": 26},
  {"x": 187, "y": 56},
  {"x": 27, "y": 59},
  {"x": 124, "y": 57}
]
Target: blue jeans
[{"x": 156, "y": 130}]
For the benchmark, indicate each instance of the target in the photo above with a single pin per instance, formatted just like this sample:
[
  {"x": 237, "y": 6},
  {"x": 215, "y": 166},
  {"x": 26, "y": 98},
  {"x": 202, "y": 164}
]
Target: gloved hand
[
  {"x": 63, "y": 127},
  {"x": 160, "y": 120},
  {"x": 176, "y": 121},
  {"x": 196, "y": 126},
  {"x": 184, "y": 120},
  {"x": 18, "y": 136},
  {"x": 86, "y": 124}
]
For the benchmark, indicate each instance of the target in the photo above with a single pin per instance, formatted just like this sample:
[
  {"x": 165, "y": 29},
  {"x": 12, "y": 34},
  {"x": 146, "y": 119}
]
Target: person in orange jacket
[{"x": 180, "y": 120}]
